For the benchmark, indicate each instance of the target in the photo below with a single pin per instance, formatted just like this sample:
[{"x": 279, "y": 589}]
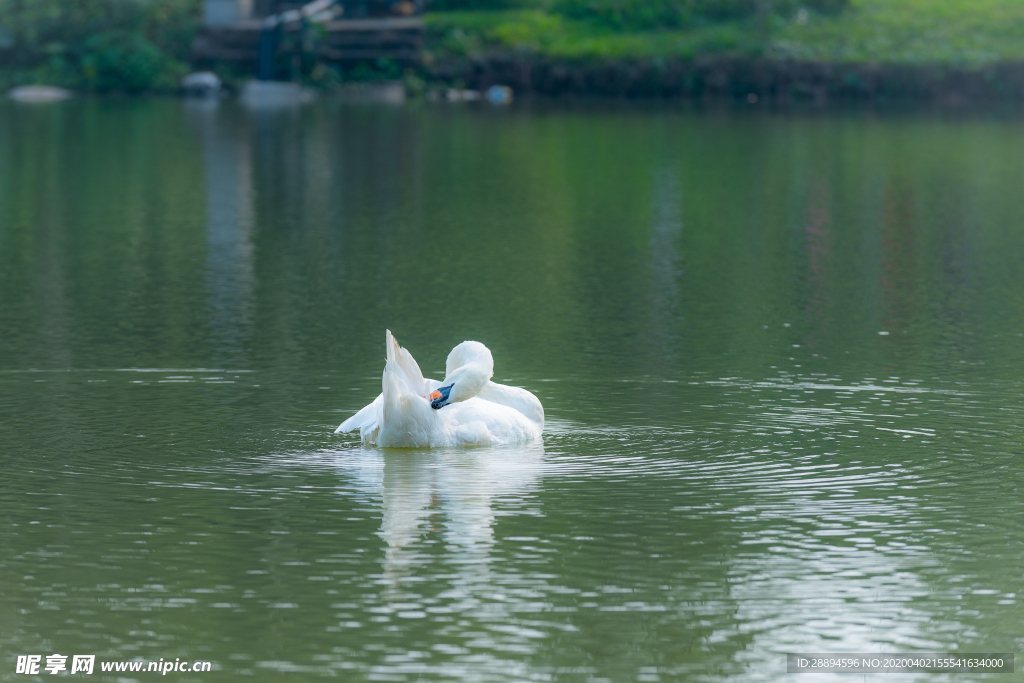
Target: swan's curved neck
[
  {"x": 468, "y": 369},
  {"x": 470, "y": 353},
  {"x": 466, "y": 381}
]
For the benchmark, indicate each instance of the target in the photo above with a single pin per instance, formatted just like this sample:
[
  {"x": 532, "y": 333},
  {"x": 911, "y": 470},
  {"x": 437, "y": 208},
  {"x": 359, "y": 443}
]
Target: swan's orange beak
[{"x": 439, "y": 398}]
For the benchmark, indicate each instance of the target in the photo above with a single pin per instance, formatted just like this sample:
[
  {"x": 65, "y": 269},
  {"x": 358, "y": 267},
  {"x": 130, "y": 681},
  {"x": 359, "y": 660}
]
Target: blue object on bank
[{"x": 499, "y": 94}]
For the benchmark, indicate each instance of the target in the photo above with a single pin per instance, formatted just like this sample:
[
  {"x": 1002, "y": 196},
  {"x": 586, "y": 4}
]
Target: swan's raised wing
[
  {"x": 367, "y": 417},
  {"x": 406, "y": 364},
  {"x": 401, "y": 383}
]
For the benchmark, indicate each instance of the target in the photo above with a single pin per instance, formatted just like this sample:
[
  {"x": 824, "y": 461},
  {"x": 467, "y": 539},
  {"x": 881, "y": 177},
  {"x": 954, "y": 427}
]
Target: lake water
[{"x": 781, "y": 355}]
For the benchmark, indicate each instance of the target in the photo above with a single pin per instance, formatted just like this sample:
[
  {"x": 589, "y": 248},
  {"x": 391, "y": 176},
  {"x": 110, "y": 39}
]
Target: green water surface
[{"x": 781, "y": 356}]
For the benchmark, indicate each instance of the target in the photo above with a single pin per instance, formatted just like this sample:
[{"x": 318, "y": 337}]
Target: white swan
[{"x": 466, "y": 409}]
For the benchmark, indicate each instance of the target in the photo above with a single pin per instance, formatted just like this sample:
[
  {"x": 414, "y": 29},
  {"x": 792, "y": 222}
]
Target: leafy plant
[{"x": 102, "y": 45}]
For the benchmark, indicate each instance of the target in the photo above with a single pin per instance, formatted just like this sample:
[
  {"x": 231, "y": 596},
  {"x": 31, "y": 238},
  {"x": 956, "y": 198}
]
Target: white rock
[
  {"x": 201, "y": 83},
  {"x": 37, "y": 94}
]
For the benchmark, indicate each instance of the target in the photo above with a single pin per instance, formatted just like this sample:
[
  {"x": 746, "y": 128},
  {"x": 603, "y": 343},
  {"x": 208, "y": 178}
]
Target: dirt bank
[{"x": 735, "y": 78}]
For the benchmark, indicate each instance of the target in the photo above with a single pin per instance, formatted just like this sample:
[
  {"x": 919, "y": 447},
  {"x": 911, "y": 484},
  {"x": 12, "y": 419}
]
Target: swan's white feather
[
  {"x": 401, "y": 416},
  {"x": 366, "y": 417}
]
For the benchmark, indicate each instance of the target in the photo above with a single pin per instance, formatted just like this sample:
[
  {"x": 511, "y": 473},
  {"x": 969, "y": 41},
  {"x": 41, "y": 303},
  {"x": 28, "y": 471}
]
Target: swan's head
[{"x": 469, "y": 368}]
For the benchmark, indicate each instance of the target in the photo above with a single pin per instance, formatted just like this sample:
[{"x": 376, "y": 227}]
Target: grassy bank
[
  {"x": 955, "y": 33},
  {"x": 815, "y": 48},
  {"x": 955, "y": 50}
]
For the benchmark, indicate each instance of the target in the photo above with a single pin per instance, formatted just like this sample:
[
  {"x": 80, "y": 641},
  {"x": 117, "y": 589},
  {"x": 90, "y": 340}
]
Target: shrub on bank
[
  {"x": 651, "y": 14},
  {"x": 99, "y": 45}
]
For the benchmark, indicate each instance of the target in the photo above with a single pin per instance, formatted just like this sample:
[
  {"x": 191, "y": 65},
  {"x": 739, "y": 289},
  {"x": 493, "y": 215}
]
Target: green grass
[
  {"x": 539, "y": 32},
  {"x": 967, "y": 33},
  {"x": 955, "y": 32}
]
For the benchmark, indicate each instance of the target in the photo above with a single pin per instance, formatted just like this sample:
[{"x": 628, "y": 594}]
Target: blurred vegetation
[
  {"x": 966, "y": 33},
  {"x": 143, "y": 45},
  {"x": 98, "y": 45}
]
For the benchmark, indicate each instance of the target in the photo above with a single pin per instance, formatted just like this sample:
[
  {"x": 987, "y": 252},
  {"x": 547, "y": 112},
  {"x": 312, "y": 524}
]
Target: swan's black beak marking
[{"x": 439, "y": 398}]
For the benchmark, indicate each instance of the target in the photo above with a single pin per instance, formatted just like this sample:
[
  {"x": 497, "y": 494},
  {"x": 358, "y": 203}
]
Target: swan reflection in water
[{"x": 453, "y": 491}]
